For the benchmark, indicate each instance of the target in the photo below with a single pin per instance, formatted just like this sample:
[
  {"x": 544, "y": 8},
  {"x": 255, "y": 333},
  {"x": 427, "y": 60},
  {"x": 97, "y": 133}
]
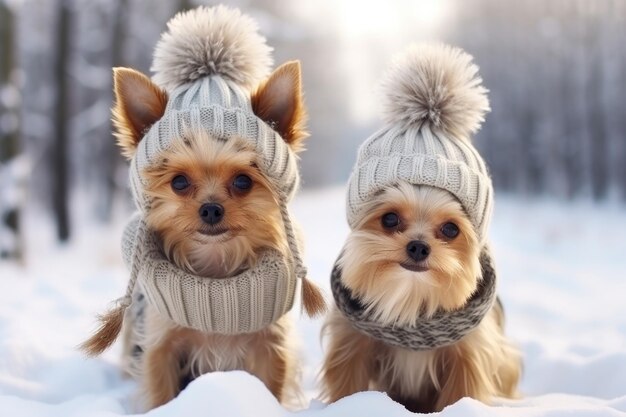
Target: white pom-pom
[
  {"x": 211, "y": 41},
  {"x": 438, "y": 86}
]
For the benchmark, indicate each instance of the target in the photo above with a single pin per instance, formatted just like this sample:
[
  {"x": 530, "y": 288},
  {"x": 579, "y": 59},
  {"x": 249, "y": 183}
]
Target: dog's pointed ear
[
  {"x": 279, "y": 102},
  {"x": 139, "y": 103}
]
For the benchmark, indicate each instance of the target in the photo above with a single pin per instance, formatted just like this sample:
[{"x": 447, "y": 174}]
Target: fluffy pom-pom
[
  {"x": 211, "y": 41},
  {"x": 438, "y": 86}
]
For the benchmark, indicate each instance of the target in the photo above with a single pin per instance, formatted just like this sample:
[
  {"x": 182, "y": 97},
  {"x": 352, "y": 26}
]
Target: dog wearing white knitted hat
[
  {"x": 416, "y": 313},
  {"x": 214, "y": 258}
]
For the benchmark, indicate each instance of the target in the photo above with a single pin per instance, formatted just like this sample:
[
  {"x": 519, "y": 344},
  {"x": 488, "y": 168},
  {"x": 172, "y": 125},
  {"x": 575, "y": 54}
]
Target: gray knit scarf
[{"x": 442, "y": 329}]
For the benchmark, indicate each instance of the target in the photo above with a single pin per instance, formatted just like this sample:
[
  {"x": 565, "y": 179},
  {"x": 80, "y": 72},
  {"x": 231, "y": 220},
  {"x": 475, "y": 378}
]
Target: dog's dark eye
[
  {"x": 242, "y": 182},
  {"x": 450, "y": 230},
  {"x": 180, "y": 183},
  {"x": 390, "y": 220}
]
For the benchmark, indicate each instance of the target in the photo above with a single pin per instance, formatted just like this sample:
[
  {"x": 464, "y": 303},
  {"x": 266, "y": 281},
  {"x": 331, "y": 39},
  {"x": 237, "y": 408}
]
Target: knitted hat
[
  {"x": 208, "y": 61},
  {"x": 433, "y": 101}
]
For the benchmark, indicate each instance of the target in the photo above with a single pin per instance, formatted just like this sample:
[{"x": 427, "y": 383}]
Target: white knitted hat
[
  {"x": 208, "y": 61},
  {"x": 433, "y": 101}
]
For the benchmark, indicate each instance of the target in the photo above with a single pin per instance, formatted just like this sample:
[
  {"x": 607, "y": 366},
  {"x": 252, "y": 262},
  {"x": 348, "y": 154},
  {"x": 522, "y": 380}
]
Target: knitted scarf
[
  {"x": 442, "y": 329},
  {"x": 245, "y": 303}
]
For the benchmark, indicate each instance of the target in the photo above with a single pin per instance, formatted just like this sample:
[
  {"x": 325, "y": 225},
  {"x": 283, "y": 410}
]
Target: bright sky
[
  {"x": 369, "y": 33},
  {"x": 390, "y": 18}
]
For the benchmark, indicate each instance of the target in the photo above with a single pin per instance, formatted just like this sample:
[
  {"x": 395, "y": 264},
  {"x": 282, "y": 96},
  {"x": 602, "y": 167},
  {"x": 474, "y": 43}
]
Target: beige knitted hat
[
  {"x": 208, "y": 61},
  {"x": 433, "y": 102}
]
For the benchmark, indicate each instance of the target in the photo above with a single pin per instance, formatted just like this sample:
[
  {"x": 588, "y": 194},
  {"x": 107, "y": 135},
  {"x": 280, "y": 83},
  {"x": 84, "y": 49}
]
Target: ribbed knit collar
[
  {"x": 245, "y": 303},
  {"x": 442, "y": 329}
]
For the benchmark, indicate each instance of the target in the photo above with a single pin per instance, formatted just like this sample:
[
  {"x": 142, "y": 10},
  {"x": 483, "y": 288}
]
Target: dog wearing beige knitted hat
[
  {"x": 416, "y": 313},
  {"x": 213, "y": 255}
]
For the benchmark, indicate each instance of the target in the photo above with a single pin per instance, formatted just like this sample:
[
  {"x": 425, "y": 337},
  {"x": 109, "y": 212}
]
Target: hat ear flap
[
  {"x": 279, "y": 102},
  {"x": 139, "y": 103}
]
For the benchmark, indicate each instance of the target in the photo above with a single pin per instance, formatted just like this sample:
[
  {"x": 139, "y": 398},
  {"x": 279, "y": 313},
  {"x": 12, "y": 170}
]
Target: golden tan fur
[
  {"x": 252, "y": 220},
  {"x": 252, "y": 223},
  {"x": 139, "y": 103},
  {"x": 482, "y": 365},
  {"x": 173, "y": 353},
  {"x": 372, "y": 256},
  {"x": 313, "y": 300},
  {"x": 275, "y": 103},
  {"x": 110, "y": 325}
]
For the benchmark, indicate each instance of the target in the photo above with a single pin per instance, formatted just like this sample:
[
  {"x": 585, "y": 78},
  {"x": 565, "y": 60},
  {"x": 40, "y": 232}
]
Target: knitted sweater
[
  {"x": 244, "y": 303},
  {"x": 442, "y": 329}
]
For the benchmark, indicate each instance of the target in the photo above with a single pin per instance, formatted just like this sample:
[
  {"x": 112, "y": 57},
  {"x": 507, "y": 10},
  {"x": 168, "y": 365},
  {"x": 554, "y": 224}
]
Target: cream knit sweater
[{"x": 244, "y": 303}]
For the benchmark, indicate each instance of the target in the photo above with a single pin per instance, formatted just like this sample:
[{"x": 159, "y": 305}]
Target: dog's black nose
[
  {"x": 418, "y": 250},
  {"x": 212, "y": 213}
]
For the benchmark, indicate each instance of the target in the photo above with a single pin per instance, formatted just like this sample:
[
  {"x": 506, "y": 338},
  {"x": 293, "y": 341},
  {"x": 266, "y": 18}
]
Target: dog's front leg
[
  {"x": 161, "y": 373},
  {"x": 463, "y": 375},
  {"x": 271, "y": 358},
  {"x": 347, "y": 367}
]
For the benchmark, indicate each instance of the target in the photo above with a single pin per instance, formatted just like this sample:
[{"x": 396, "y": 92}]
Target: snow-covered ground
[{"x": 562, "y": 273}]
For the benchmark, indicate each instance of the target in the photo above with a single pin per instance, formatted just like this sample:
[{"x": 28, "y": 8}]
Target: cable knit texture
[
  {"x": 442, "y": 329},
  {"x": 245, "y": 303}
]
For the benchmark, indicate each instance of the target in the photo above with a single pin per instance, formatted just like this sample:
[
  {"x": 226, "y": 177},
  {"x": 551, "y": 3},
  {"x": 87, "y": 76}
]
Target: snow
[{"x": 562, "y": 280}]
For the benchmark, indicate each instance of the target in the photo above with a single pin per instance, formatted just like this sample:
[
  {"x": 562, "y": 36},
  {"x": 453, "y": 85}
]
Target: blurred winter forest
[{"x": 556, "y": 71}]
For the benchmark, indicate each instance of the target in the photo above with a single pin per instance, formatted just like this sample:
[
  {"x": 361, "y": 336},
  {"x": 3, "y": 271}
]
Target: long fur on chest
[
  {"x": 198, "y": 352},
  {"x": 481, "y": 365}
]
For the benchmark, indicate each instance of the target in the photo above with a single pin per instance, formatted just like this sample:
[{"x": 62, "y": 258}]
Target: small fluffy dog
[
  {"x": 414, "y": 250},
  {"x": 213, "y": 209}
]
